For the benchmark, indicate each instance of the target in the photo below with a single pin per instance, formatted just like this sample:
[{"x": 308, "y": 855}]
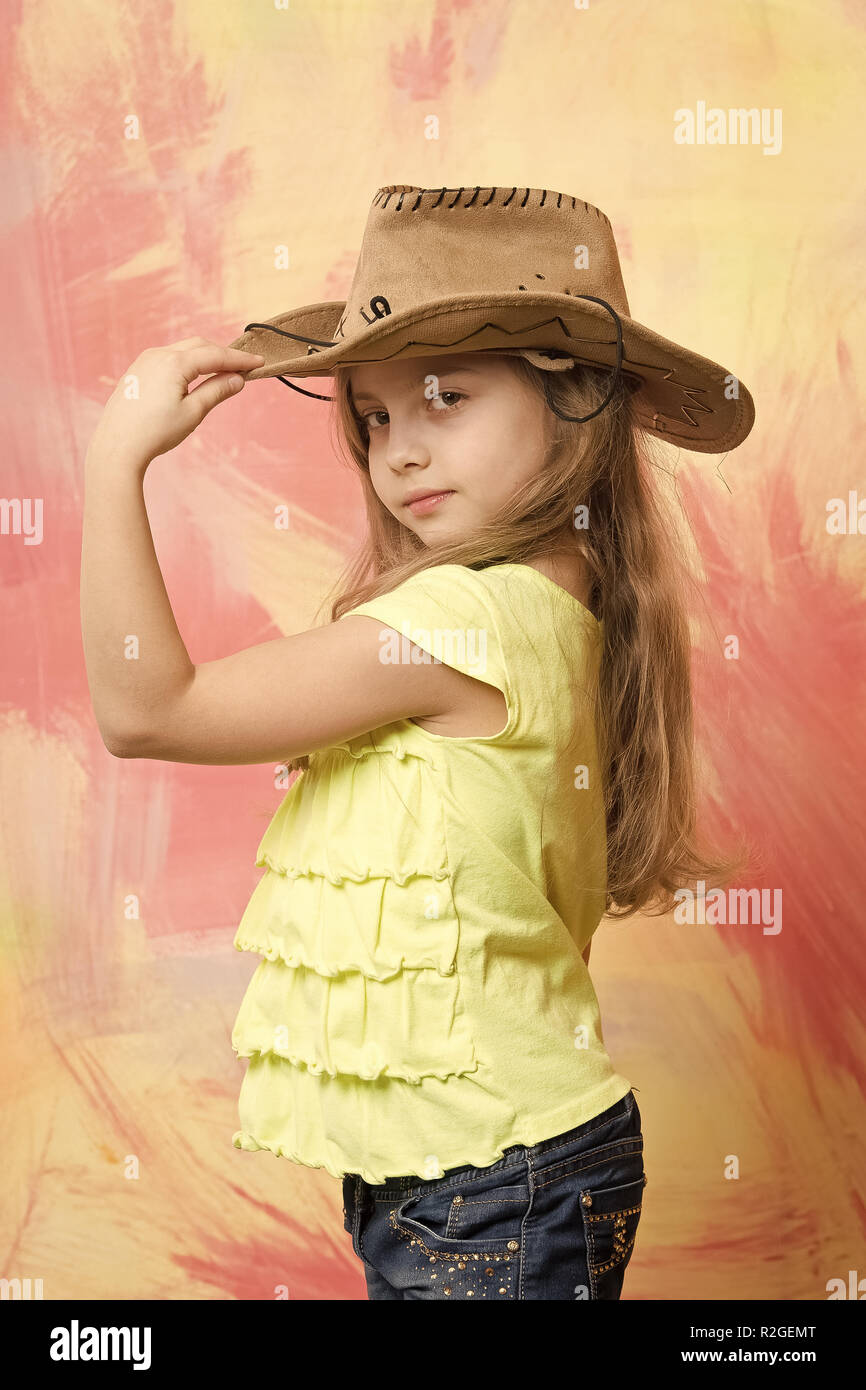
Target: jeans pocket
[
  {"x": 610, "y": 1222},
  {"x": 477, "y": 1218},
  {"x": 348, "y": 1201}
]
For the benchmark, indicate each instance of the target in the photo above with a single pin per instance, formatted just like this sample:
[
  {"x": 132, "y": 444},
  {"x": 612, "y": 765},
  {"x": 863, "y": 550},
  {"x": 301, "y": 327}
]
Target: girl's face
[{"x": 464, "y": 424}]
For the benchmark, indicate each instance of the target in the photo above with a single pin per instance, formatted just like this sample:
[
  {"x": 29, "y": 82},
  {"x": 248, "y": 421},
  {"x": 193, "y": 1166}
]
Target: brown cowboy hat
[{"x": 447, "y": 270}]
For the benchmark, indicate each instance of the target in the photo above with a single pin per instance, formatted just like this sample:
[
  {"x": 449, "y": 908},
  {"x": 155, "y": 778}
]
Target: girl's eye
[
  {"x": 438, "y": 403},
  {"x": 368, "y": 418},
  {"x": 441, "y": 397}
]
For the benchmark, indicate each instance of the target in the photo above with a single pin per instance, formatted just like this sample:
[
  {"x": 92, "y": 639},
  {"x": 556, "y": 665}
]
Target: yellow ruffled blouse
[{"x": 422, "y": 1001}]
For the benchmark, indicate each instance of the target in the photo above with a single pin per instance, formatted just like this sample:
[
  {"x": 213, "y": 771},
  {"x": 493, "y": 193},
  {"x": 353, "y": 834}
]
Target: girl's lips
[{"x": 426, "y": 504}]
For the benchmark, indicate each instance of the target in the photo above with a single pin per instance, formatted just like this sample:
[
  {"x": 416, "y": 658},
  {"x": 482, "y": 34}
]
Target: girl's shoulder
[
  {"x": 505, "y": 602},
  {"x": 503, "y": 583}
]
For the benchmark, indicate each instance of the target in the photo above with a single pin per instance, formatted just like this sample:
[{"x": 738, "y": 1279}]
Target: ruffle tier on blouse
[
  {"x": 378, "y": 1128},
  {"x": 359, "y": 938}
]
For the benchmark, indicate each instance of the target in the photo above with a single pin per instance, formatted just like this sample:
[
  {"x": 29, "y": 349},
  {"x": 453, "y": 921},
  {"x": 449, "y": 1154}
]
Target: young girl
[{"x": 493, "y": 733}]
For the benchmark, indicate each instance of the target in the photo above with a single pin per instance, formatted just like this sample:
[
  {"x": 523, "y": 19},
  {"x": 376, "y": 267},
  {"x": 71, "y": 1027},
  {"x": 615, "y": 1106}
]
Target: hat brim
[{"x": 683, "y": 397}]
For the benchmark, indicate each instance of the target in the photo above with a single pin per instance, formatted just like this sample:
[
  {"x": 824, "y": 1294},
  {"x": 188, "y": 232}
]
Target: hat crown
[{"x": 422, "y": 246}]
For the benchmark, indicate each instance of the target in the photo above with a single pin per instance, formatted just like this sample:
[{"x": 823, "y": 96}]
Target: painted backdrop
[{"x": 154, "y": 160}]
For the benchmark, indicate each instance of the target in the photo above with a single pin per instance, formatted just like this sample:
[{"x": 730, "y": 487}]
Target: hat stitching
[
  {"x": 379, "y": 308},
  {"x": 383, "y": 312},
  {"x": 440, "y": 192}
]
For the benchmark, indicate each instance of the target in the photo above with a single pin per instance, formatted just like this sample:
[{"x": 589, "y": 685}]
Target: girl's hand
[{"x": 152, "y": 409}]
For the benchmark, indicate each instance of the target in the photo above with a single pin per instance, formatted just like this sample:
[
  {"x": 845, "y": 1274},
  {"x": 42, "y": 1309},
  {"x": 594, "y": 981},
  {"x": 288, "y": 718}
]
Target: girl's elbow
[{"x": 121, "y": 743}]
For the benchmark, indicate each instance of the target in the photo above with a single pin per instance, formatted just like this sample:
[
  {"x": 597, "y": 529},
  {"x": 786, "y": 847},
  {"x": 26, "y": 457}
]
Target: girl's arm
[
  {"x": 269, "y": 703},
  {"x": 282, "y": 699}
]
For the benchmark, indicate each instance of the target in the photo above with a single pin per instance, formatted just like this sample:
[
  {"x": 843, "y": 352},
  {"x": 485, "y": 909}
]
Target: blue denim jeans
[{"x": 553, "y": 1220}]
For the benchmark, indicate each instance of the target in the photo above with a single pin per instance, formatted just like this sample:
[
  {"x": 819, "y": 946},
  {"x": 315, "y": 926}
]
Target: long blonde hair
[{"x": 643, "y": 698}]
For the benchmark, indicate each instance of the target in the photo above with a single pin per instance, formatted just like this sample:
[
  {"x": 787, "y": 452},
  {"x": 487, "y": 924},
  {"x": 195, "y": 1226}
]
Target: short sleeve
[{"x": 448, "y": 611}]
